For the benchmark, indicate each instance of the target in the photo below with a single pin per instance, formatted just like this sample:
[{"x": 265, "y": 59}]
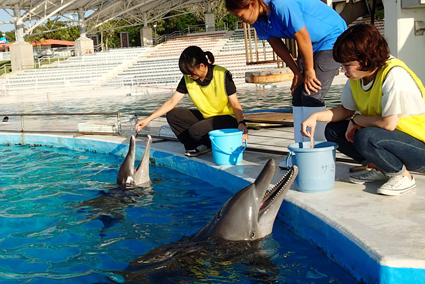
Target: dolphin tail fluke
[{"x": 141, "y": 174}]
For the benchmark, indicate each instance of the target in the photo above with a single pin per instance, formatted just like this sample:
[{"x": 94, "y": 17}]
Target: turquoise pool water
[
  {"x": 250, "y": 99},
  {"x": 63, "y": 220}
]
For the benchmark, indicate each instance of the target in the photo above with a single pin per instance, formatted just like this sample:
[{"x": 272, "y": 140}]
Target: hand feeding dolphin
[
  {"x": 250, "y": 213},
  {"x": 127, "y": 175}
]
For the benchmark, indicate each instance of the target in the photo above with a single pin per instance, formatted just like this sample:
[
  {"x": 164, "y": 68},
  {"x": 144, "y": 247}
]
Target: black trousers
[{"x": 191, "y": 128}]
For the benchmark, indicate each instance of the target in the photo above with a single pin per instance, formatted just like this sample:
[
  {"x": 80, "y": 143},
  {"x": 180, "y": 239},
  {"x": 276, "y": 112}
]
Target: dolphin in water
[
  {"x": 127, "y": 175},
  {"x": 250, "y": 213},
  {"x": 109, "y": 206},
  {"x": 232, "y": 236}
]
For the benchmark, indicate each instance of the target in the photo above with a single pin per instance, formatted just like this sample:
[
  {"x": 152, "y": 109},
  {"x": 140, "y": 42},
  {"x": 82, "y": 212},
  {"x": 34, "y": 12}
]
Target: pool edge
[{"x": 338, "y": 244}]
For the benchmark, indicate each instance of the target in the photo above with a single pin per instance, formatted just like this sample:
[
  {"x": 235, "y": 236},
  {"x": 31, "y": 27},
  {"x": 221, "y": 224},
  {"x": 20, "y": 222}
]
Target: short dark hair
[
  {"x": 362, "y": 43},
  {"x": 192, "y": 57}
]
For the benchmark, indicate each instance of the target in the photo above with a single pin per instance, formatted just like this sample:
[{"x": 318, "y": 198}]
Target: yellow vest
[
  {"x": 369, "y": 102},
  {"x": 210, "y": 100}
]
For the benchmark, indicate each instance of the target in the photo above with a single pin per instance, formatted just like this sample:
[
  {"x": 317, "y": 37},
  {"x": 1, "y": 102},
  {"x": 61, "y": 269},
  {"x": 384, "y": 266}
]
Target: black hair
[{"x": 192, "y": 57}]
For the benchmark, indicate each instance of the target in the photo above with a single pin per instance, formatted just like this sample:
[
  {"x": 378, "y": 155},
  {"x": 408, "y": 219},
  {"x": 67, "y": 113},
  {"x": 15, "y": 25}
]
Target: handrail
[
  {"x": 190, "y": 29},
  {"x": 4, "y": 66},
  {"x": 22, "y": 115}
]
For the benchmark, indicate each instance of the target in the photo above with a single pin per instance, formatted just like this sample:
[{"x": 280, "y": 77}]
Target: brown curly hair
[{"x": 362, "y": 43}]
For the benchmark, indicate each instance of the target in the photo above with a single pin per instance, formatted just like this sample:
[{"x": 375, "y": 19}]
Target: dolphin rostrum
[
  {"x": 127, "y": 175},
  {"x": 250, "y": 213}
]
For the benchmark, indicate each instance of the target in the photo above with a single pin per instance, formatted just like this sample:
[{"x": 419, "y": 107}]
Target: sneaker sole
[
  {"x": 391, "y": 192},
  {"x": 359, "y": 181},
  {"x": 198, "y": 153}
]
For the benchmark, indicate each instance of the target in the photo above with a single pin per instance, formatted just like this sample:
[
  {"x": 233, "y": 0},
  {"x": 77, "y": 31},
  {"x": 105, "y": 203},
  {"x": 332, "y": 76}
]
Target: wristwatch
[
  {"x": 242, "y": 122},
  {"x": 352, "y": 119}
]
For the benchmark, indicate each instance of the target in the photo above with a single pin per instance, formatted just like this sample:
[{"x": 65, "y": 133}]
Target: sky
[{"x": 5, "y": 17}]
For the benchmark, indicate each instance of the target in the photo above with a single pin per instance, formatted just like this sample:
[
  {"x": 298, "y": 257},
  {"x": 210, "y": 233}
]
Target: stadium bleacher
[{"x": 155, "y": 66}]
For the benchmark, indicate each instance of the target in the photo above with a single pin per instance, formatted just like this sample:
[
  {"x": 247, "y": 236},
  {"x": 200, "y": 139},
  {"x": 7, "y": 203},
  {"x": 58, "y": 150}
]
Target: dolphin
[
  {"x": 250, "y": 213},
  {"x": 232, "y": 237},
  {"x": 127, "y": 175}
]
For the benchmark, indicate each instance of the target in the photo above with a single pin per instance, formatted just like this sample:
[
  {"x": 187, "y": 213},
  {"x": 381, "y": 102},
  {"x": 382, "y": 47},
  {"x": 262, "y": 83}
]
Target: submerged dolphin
[
  {"x": 232, "y": 239},
  {"x": 127, "y": 175},
  {"x": 250, "y": 213}
]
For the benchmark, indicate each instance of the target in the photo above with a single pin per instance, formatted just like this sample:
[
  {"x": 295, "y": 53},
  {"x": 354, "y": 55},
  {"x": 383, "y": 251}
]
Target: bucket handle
[
  {"x": 243, "y": 149},
  {"x": 289, "y": 158}
]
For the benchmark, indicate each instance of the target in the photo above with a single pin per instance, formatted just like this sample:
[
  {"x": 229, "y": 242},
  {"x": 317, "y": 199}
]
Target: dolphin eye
[{"x": 252, "y": 235}]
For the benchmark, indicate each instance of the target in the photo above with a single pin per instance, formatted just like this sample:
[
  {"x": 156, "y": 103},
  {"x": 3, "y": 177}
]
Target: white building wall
[{"x": 400, "y": 34}]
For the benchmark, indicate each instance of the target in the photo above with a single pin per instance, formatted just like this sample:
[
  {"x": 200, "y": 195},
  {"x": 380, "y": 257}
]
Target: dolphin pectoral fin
[
  {"x": 126, "y": 171},
  {"x": 141, "y": 174}
]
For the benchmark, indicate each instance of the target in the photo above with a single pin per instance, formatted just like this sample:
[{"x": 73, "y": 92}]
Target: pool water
[
  {"x": 64, "y": 220},
  {"x": 250, "y": 98}
]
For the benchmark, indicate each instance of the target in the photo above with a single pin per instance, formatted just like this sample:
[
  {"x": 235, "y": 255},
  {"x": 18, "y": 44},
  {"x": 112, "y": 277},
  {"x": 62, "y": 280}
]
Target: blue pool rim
[{"x": 341, "y": 246}]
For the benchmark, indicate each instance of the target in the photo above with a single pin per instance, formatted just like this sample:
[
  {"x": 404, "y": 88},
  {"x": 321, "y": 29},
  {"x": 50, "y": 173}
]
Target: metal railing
[
  {"x": 189, "y": 30},
  {"x": 115, "y": 130}
]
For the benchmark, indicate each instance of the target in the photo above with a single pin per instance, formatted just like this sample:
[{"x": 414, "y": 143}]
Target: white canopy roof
[{"x": 32, "y": 13}]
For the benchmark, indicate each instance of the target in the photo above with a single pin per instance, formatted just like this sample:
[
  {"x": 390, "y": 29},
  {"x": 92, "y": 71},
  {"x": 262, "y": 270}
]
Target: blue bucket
[
  {"x": 316, "y": 166},
  {"x": 227, "y": 146}
]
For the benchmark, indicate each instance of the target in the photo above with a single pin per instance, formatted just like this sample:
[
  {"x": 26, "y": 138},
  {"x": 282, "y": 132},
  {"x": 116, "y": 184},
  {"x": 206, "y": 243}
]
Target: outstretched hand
[
  {"x": 308, "y": 127},
  {"x": 142, "y": 123}
]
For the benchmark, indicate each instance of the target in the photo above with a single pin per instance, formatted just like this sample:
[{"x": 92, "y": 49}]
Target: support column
[
  {"x": 21, "y": 52},
  {"x": 400, "y": 34},
  {"x": 210, "y": 22},
  {"x": 146, "y": 36},
  {"x": 83, "y": 45}
]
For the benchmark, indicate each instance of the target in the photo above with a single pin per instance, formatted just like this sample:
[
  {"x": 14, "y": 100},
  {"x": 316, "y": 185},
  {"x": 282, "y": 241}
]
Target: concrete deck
[{"x": 378, "y": 239}]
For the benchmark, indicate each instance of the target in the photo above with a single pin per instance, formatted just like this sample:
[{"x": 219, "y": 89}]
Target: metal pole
[{"x": 22, "y": 123}]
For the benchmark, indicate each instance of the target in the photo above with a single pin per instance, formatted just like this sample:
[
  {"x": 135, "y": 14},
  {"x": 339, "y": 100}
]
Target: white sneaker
[
  {"x": 368, "y": 176},
  {"x": 397, "y": 185}
]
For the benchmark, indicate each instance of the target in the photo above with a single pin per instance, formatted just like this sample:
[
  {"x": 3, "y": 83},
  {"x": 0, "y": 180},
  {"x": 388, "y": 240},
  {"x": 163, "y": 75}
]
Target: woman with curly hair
[{"x": 381, "y": 122}]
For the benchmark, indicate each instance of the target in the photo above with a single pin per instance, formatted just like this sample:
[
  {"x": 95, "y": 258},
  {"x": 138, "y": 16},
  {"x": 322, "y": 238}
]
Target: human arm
[
  {"x": 237, "y": 108},
  {"x": 311, "y": 83},
  {"x": 166, "y": 107},
  {"x": 282, "y": 51},
  {"x": 330, "y": 115}
]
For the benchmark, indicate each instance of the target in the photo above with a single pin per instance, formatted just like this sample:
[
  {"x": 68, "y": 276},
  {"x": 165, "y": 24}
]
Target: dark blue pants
[{"x": 392, "y": 151}]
